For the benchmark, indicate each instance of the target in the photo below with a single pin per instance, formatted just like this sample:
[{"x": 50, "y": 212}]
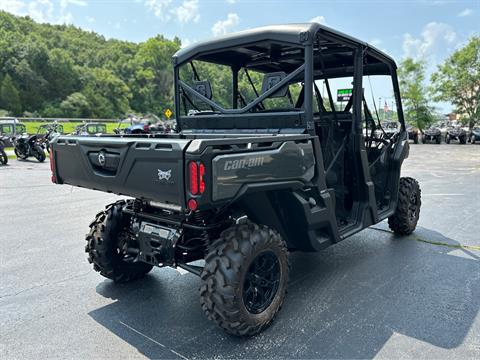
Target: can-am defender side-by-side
[{"x": 271, "y": 166}]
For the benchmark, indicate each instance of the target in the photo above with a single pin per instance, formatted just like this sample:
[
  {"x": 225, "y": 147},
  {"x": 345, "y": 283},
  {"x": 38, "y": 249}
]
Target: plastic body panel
[{"x": 150, "y": 169}]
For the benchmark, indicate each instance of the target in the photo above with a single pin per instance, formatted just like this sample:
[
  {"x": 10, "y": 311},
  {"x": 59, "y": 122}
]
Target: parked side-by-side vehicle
[{"x": 247, "y": 180}]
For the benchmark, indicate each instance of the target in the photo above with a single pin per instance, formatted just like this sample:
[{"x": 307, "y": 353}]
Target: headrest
[{"x": 272, "y": 79}]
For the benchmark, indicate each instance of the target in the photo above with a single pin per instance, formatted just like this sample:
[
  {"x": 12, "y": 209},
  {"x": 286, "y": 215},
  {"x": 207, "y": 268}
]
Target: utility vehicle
[
  {"x": 456, "y": 133},
  {"x": 433, "y": 133},
  {"x": 414, "y": 133},
  {"x": 262, "y": 165},
  {"x": 475, "y": 134}
]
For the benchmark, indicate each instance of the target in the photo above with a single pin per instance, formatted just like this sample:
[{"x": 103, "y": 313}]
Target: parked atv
[
  {"x": 456, "y": 133},
  {"x": 475, "y": 134},
  {"x": 245, "y": 182},
  {"x": 27, "y": 146},
  {"x": 3, "y": 154},
  {"x": 413, "y": 134},
  {"x": 432, "y": 134}
]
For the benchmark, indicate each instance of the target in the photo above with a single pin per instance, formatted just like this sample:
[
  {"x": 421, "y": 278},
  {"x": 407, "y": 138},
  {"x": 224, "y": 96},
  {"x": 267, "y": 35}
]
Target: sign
[
  {"x": 344, "y": 94},
  {"x": 168, "y": 113}
]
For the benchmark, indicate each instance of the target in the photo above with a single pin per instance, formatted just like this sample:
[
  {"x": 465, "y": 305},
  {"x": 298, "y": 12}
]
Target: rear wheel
[
  {"x": 19, "y": 154},
  {"x": 404, "y": 220},
  {"x": 245, "y": 279},
  {"x": 447, "y": 139},
  {"x": 106, "y": 246},
  {"x": 3, "y": 157},
  {"x": 472, "y": 140},
  {"x": 463, "y": 139}
]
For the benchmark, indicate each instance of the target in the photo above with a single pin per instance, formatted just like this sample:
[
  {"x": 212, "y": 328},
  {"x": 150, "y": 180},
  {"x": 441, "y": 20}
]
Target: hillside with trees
[{"x": 60, "y": 70}]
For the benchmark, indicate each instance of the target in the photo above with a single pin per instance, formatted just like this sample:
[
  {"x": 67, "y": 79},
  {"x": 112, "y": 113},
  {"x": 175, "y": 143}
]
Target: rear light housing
[
  {"x": 196, "y": 183},
  {"x": 193, "y": 177}
]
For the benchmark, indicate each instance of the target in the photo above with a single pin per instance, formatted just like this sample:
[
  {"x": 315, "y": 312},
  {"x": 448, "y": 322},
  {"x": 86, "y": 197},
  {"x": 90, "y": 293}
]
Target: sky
[{"x": 410, "y": 28}]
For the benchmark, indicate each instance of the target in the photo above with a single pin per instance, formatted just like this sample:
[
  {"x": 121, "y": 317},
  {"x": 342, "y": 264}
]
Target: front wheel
[
  {"x": 463, "y": 140},
  {"x": 415, "y": 139},
  {"x": 39, "y": 153},
  {"x": 106, "y": 246},
  {"x": 245, "y": 278},
  {"x": 404, "y": 220}
]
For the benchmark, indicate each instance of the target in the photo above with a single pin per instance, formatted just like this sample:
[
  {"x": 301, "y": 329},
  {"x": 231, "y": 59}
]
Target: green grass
[{"x": 69, "y": 127}]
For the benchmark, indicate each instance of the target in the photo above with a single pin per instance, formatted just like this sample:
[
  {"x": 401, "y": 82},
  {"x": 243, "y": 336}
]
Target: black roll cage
[{"x": 312, "y": 49}]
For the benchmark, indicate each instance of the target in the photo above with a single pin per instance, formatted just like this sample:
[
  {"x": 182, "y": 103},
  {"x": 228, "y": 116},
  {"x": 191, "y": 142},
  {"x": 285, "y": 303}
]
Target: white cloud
[
  {"x": 187, "y": 42},
  {"x": 465, "y": 12},
  {"x": 74, "y": 2},
  {"x": 221, "y": 27},
  {"x": 42, "y": 10},
  {"x": 434, "y": 37},
  {"x": 319, "y": 19},
  {"x": 187, "y": 12},
  {"x": 90, "y": 19},
  {"x": 160, "y": 8},
  {"x": 12, "y": 6},
  {"x": 231, "y": 1}
]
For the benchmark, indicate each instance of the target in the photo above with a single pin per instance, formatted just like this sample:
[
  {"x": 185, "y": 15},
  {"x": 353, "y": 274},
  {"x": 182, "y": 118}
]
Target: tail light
[
  {"x": 196, "y": 182},
  {"x": 193, "y": 173},
  {"x": 52, "y": 164},
  {"x": 201, "y": 179}
]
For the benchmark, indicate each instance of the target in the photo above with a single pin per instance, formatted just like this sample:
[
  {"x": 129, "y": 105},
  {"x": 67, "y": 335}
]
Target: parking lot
[{"x": 373, "y": 295}]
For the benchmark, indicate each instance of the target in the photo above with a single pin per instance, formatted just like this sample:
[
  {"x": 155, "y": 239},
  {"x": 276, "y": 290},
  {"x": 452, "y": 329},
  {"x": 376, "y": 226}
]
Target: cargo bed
[{"x": 150, "y": 168}]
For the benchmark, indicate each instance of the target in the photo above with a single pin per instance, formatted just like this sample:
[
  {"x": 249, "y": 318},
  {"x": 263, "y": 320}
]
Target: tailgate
[{"x": 143, "y": 168}]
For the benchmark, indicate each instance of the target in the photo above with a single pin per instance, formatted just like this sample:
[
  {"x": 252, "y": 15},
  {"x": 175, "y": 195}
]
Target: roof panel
[{"x": 289, "y": 33}]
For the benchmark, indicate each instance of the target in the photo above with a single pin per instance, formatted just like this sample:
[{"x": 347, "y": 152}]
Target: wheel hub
[{"x": 261, "y": 282}]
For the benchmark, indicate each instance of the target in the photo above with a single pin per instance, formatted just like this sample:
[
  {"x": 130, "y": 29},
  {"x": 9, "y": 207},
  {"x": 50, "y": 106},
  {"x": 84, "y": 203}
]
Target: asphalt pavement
[{"x": 372, "y": 295}]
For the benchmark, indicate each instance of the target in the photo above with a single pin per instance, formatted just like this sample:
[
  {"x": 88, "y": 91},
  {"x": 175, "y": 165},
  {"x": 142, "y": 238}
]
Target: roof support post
[
  {"x": 176, "y": 78},
  {"x": 308, "y": 86},
  {"x": 235, "y": 87},
  {"x": 357, "y": 90}
]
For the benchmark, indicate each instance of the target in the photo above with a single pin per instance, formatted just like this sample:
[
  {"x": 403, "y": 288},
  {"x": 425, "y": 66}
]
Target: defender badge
[{"x": 164, "y": 175}]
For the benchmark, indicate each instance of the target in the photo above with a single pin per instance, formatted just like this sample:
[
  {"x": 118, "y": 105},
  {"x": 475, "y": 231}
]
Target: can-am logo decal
[
  {"x": 101, "y": 158},
  {"x": 244, "y": 163},
  {"x": 164, "y": 175}
]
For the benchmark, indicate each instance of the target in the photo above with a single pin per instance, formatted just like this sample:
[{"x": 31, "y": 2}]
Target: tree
[
  {"x": 76, "y": 105},
  {"x": 458, "y": 80},
  {"x": 10, "y": 97},
  {"x": 108, "y": 95},
  {"x": 411, "y": 74},
  {"x": 61, "y": 74}
]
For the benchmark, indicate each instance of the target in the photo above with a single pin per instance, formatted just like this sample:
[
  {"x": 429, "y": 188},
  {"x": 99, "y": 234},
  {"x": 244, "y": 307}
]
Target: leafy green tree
[
  {"x": 458, "y": 81},
  {"x": 411, "y": 75},
  {"x": 76, "y": 105},
  {"x": 61, "y": 74},
  {"x": 108, "y": 95},
  {"x": 9, "y": 96}
]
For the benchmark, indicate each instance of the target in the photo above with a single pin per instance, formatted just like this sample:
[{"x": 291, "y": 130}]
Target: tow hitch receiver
[{"x": 156, "y": 243}]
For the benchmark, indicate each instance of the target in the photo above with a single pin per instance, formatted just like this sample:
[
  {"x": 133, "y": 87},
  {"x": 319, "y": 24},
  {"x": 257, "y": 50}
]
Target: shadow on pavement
[{"x": 345, "y": 302}]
